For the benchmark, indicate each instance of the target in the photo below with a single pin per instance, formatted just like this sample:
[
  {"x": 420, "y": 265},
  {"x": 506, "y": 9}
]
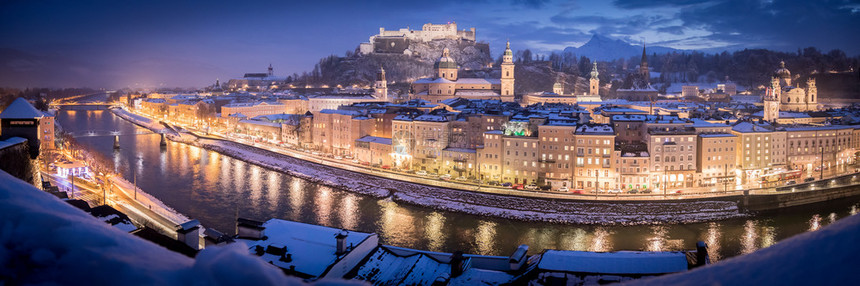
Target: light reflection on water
[{"x": 211, "y": 187}]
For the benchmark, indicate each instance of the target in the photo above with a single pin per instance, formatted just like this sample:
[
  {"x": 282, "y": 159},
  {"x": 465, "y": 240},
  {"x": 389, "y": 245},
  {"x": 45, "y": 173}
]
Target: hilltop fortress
[{"x": 397, "y": 42}]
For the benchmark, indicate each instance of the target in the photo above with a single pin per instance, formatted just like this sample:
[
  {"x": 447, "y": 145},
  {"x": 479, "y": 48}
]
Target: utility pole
[{"x": 726, "y": 179}]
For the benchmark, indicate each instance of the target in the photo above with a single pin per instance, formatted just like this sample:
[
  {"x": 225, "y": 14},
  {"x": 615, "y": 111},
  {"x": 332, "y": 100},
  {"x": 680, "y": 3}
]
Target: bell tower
[
  {"x": 507, "y": 79},
  {"x": 594, "y": 82},
  {"x": 380, "y": 87},
  {"x": 811, "y": 94}
]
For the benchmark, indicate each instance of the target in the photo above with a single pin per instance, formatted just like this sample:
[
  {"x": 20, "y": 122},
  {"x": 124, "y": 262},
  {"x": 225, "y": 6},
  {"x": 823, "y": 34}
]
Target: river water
[{"x": 212, "y": 188}]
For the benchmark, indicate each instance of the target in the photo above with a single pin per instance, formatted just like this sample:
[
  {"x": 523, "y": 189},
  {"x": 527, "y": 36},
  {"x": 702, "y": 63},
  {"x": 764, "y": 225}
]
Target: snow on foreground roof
[
  {"x": 47, "y": 241},
  {"x": 827, "y": 256},
  {"x": 20, "y": 109},
  {"x": 620, "y": 262},
  {"x": 313, "y": 247}
]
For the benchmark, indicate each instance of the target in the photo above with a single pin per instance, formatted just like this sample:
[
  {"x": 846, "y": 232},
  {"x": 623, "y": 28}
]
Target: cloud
[
  {"x": 534, "y": 4},
  {"x": 636, "y": 4},
  {"x": 779, "y": 24},
  {"x": 675, "y": 30}
]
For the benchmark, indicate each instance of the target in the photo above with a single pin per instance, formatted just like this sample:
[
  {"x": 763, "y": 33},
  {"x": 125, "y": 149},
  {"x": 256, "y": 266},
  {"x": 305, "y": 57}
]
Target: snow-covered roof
[
  {"x": 21, "y": 109},
  {"x": 621, "y": 262},
  {"x": 385, "y": 267},
  {"x": 468, "y": 80},
  {"x": 312, "y": 246},
  {"x": 595, "y": 129},
  {"x": 476, "y": 92},
  {"x": 431, "y": 118},
  {"x": 11, "y": 141},
  {"x": 432, "y": 80},
  {"x": 340, "y": 112}
]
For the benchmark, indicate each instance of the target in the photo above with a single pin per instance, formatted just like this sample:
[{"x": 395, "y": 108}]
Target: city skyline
[{"x": 113, "y": 45}]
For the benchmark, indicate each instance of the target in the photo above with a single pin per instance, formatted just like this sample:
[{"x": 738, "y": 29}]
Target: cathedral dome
[
  {"x": 782, "y": 72},
  {"x": 446, "y": 61}
]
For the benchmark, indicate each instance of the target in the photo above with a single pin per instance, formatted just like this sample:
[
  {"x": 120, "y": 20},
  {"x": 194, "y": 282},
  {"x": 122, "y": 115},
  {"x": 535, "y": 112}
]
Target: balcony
[
  {"x": 460, "y": 160},
  {"x": 547, "y": 160}
]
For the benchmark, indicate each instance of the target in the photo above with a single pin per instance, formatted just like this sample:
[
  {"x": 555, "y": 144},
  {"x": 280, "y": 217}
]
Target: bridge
[
  {"x": 81, "y": 105},
  {"x": 97, "y": 133}
]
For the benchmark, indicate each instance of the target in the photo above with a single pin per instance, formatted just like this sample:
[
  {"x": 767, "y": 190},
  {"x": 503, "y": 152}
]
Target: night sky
[{"x": 171, "y": 43}]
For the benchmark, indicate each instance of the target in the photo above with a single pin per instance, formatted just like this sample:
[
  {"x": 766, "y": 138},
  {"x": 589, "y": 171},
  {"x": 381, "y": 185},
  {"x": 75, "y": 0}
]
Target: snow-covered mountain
[{"x": 603, "y": 48}]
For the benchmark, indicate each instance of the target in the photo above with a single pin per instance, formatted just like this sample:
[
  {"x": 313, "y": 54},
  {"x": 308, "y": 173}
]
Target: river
[{"x": 212, "y": 188}]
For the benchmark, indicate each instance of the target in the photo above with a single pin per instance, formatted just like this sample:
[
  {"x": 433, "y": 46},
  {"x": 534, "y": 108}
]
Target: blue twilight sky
[{"x": 186, "y": 43}]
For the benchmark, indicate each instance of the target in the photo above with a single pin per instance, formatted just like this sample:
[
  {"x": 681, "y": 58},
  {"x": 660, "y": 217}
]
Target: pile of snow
[
  {"x": 828, "y": 256},
  {"x": 44, "y": 240}
]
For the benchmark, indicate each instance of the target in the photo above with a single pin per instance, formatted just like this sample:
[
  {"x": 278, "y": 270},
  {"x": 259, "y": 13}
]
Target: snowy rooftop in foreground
[
  {"x": 827, "y": 256},
  {"x": 47, "y": 241},
  {"x": 20, "y": 109},
  {"x": 621, "y": 262},
  {"x": 312, "y": 246}
]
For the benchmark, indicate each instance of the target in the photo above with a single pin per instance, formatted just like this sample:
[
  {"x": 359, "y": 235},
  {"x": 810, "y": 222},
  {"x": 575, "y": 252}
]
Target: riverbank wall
[{"x": 843, "y": 187}]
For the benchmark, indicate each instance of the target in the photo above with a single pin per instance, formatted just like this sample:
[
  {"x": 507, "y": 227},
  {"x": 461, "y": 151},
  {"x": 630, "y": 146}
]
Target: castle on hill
[{"x": 397, "y": 41}]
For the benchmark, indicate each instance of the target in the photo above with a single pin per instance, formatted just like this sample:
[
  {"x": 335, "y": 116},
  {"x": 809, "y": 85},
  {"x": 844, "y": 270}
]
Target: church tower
[
  {"x": 771, "y": 104},
  {"x": 594, "y": 82},
  {"x": 508, "y": 71},
  {"x": 271, "y": 71},
  {"x": 380, "y": 87},
  {"x": 643, "y": 66},
  {"x": 811, "y": 94},
  {"x": 446, "y": 67}
]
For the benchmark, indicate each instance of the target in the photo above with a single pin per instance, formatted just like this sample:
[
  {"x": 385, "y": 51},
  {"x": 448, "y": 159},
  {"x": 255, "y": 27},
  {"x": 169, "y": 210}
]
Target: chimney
[
  {"x": 249, "y": 229},
  {"x": 341, "y": 241},
  {"x": 189, "y": 233},
  {"x": 518, "y": 258},
  {"x": 456, "y": 263}
]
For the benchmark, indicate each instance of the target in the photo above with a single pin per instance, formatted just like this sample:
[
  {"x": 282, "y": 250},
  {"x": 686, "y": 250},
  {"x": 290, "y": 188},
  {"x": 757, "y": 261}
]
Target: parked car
[
  {"x": 461, "y": 179},
  {"x": 792, "y": 182},
  {"x": 445, "y": 177},
  {"x": 338, "y": 157},
  {"x": 421, "y": 173},
  {"x": 545, "y": 187},
  {"x": 646, "y": 191},
  {"x": 563, "y": 189},
  {"x": 386, "y": 167},
  {"x": 494, "y": 183},
  {"x": 577, "y": 191},
  {"x": 315, "y": 153},
  {"x": 614, "y": 191},
  {"x": 632, "y": 191},
  {"x": 679, "y": 191},
  {"x": 355, "y": 161},
  {"x": 810, "y": 179},
  {"x": 348, "y": 157},
  {"x": 507, "y": 185},
  {"x": 477, "y": 181},
  {"x": 532, "y": 186}
]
